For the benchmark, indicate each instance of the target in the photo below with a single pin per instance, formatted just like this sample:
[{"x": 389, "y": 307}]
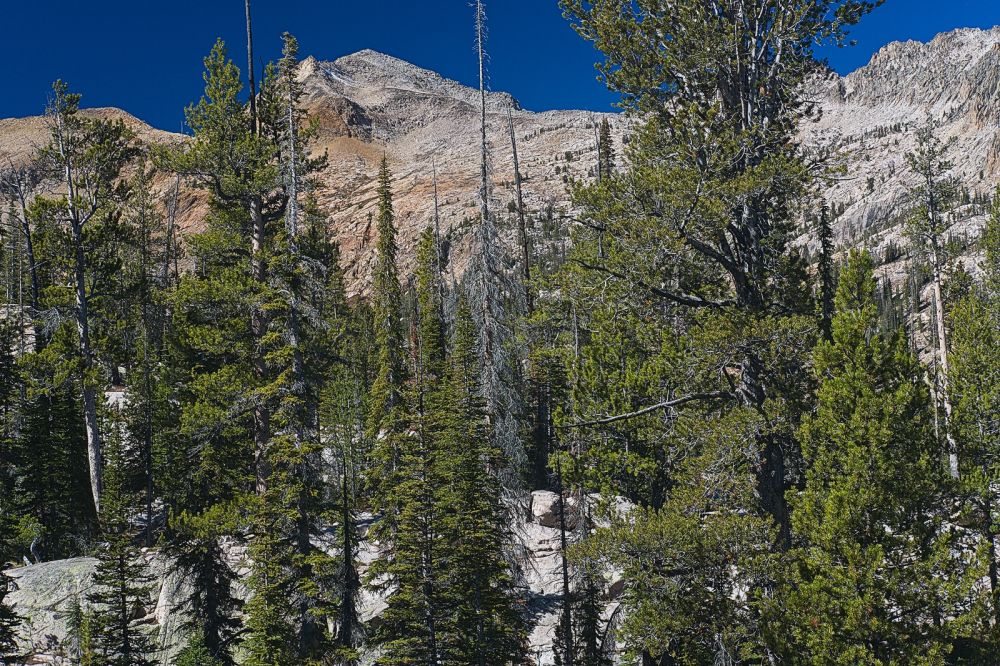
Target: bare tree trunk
[
  {"x": 522, "y": 227},
  {"x": 258, "y": 325},
  {"x": 29, "y": 248},
  {"x": 250, "y": 72},
  {"x": 262, "y": 415},
  {"x": 942, "y": 351},
  {"x": 484, "y": 208},
  {"x": 94, "y": 455},
  {"x": 169, "y": 254}
]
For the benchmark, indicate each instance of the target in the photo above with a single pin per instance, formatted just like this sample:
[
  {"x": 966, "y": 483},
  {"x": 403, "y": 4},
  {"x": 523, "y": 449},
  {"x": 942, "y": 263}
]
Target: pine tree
[
  {"x": 89, "y": 156},
  {"x": 195, "y": 653},
  {"x": 387, "y": 306},
  {"x": 212, "y": 606},
  {"x": 975, "y": 321},
  {"x": 240, "y": 168},
  {"x": 290, "y": 577},
  {"x": 827, "y": 278},
  {"x": 121, "y": 581},
  {"x": 870, "y": 514},
  {"x": 935, "y": 194},
  {"x": 388, "y": 415},
  {"x": 414, "y": 625},
  {"x": 219, "y": 343},
  {"x": 605, "y": 151},
  {"x": 688, "y": 258},
  {"x": 487, "y": 626}
]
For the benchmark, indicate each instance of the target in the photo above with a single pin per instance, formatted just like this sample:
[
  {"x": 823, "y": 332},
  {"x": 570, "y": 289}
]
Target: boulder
[{"x": 545, "y": 509}]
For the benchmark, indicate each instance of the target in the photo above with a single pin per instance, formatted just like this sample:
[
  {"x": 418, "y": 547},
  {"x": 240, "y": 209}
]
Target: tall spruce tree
[
  {"x": 415, "y": 623},
  {"x": 121, "y": 582},
  {"x": 387, "y": 418},
  {"x": 487, "y": 626},
  {"x": 826, "y": 271}
]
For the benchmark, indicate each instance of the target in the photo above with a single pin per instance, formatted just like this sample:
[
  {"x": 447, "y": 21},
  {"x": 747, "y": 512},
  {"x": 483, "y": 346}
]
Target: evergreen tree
[
  {"x": 688, "y": 253},
  {"x": 9, "y": 620},
  {"x": 218, "y": 346},
  {"x": 605, "y": 151},
  {"x": 287, "y": 567},
  {"x": 120, "y": 582},
  {"x": 196, "y": 550},
  {"x": 827, "y": 278},
  {"x": 90, "y": 155},
  {"x": 387, "y": 306},
  {"x": 388, "y": 417},
  {"x": 935, "y": 194},
  {"x": 877, "y": 578},
  {"x": 195, "y": 653},
  {"x": 975, "y": 321},
  {"x": 487, "y": 626},
  {"x": 414, "y": 625},
  {"x": 240, "y": 167}
]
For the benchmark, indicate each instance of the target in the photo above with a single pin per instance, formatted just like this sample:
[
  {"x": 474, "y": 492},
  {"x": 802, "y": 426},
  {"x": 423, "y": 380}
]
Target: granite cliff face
[
  {"x": 370, "y": 104},
  {"x": 870, "y": 117}
]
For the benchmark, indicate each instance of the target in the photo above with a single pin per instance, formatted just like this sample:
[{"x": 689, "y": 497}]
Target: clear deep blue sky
[{"x": 146, "y": 56}]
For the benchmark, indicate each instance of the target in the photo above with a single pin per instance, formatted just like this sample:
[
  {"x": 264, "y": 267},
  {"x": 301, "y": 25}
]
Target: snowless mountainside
[
  {"x": 871, "y": 116},
  {"x": 369, "y": 104}
]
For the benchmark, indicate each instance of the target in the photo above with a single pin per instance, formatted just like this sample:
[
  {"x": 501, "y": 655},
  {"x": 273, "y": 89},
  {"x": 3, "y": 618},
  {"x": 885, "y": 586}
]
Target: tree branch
[
  {"x": 677, "y": 402},
  {"x": 679, "y": 298}
]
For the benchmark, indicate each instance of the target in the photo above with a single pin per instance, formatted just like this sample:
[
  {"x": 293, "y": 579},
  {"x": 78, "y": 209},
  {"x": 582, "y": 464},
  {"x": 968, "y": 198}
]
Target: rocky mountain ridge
[
  {"x": 870, "y": 118},
  {"x": 369, "y": 104}
]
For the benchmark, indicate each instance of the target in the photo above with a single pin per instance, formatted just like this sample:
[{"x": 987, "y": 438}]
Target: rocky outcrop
[{"x": 44, "y": 593}]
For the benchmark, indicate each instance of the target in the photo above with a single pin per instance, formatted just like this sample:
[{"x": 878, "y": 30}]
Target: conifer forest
[{"x": 733, "y": 433}]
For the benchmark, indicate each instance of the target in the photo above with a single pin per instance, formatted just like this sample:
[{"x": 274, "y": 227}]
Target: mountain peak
[{"x": 370, "y": 77}]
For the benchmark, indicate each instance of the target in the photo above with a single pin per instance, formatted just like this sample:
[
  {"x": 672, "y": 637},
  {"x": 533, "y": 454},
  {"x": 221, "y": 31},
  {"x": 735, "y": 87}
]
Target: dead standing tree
[{"x": 491, "y": 291}]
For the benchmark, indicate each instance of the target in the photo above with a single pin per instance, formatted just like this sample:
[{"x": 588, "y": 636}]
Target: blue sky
[{"x": 146, "y": 56}]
